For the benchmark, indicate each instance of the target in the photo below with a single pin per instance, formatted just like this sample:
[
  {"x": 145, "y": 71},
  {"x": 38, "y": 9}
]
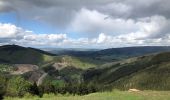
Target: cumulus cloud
[
  {"x": 94, "y": 22},
  {"x": 11, "y": 34},
  {"x": 103, "y": 40},
  {"x": 100, "y": 23},
  {"x": 8, "y": 32}
]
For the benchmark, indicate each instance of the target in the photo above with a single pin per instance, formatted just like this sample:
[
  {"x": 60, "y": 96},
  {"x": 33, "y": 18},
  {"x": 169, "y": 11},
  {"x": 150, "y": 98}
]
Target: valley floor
[{"x": 114, "y": 95}]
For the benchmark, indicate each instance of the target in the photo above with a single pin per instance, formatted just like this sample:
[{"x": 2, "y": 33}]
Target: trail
[{"x": 40, "y": 80}]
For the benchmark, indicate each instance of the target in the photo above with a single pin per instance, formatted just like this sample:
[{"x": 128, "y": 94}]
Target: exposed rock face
[
  {"x": 60, "y": 65},
  {"x": 23, "y": 68}
]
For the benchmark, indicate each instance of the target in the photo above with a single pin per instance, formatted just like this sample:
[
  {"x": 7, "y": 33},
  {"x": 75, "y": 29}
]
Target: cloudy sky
[{"x": 85, "y": 23}]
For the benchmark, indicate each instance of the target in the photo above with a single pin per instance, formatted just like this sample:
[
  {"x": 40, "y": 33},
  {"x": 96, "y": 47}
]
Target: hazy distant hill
[{"x": 114, "y": 54}]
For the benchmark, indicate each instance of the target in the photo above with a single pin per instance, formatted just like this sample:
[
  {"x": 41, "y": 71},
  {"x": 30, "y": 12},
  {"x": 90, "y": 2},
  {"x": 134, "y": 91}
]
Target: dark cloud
[{"x": 61, "y": 12}]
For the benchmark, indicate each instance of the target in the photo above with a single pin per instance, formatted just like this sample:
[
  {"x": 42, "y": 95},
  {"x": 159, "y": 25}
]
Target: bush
[
  {"x": 17, "y": 86},
  {"x": 2, "y": 86}
]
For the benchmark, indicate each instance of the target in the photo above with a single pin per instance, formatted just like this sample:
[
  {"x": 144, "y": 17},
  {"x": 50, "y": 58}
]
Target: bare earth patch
[{"x": 23, "y": 68}]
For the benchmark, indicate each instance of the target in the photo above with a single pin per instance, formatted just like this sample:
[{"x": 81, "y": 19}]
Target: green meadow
[{"x": 114, "y": 95}]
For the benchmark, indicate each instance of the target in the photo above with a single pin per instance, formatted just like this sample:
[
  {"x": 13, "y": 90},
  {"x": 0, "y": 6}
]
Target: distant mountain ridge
[{"x": 114, "y": 54}]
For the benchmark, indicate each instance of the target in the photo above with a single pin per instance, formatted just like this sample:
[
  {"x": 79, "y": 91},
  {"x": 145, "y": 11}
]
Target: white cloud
[
  {"x": 90, "y": 23},
  {"x": 9, "y": 31},
  {"x": 93, "y": 22},
  {"x": 146, "y": 34},
  {"x": 101, "y": 38}
]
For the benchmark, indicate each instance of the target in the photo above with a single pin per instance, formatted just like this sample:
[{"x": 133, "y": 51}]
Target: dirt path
[{"x": 40, "y": 80}]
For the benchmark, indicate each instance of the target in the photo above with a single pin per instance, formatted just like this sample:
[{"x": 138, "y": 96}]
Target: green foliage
[
  {"x": 58, "y": 83},
  {"x": 17, "y": 86},
  {"x": 34, "y": 90},
  {"x": 6, "y": 68},
  {"x": 3, "y": 82},
  {"x": 71, "y": 74},
  {"x": 61, "y": 87}
]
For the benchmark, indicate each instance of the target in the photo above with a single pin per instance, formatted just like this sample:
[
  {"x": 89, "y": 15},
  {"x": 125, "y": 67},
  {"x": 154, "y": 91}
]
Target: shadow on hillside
[{"x": 14, "y": 54}]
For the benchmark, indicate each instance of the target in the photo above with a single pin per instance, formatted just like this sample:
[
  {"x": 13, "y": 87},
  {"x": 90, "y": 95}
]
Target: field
[{"x": 114, "y": 95}]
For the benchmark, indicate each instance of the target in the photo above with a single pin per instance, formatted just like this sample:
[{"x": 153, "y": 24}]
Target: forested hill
[
  {"x": 18, "y": 54},
  {"x": 113, "y": 54}
]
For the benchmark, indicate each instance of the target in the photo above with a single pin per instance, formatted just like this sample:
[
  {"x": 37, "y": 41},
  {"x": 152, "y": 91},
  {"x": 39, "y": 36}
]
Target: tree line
[{"x": 17, "y": 86}]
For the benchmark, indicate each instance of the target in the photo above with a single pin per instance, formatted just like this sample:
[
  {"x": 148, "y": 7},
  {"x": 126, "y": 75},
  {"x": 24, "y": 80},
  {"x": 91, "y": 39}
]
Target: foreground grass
[{"x": 115, "y": 95}]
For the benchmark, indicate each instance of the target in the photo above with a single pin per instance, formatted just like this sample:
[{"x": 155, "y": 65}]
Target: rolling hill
[
  {"x": 32, "y": 64},
  {"x": 113, "y": 54},
  {"x": 15, "y": 54},
  {"x": 144, "y": 72}
]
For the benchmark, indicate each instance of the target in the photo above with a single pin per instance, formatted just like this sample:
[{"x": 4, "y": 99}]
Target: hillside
[
  {"x": 113, "y": 54},
  {"x": 81, "y": 75},
  {"x": 144, "y": 72},
  {"x": 32, "y": 64},
  {"x": 15, "y": 54}
]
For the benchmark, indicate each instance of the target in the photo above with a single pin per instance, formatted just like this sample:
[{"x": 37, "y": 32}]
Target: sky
[{"x": 85, "y": 23}]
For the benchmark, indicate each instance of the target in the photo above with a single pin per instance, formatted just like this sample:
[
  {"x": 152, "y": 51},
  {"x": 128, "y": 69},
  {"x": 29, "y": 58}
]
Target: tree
[
  {"x": 2, "y": 86},
  {"x": 17, "y": 86},
  {"x": 34, "y": 89}
]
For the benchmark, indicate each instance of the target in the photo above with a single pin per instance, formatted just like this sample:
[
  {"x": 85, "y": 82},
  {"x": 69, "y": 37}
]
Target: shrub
[{"x": 17, "y": 86}]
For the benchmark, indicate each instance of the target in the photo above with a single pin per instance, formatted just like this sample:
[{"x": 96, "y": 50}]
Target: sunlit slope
[{"x": 145, "y": 72}]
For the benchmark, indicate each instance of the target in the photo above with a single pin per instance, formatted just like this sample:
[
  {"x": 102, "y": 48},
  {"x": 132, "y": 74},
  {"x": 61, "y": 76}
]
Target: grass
[
  {"x": 47, "y": 58},
  {"x": 76, "y": 62},
  {"x": 114, "y": 95}
]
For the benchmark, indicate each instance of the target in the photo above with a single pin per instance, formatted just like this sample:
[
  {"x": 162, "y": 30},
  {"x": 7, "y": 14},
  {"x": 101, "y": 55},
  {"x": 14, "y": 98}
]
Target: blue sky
[
  {"x": 33, "y": 25},
  {"x": 85, "y": 24}
]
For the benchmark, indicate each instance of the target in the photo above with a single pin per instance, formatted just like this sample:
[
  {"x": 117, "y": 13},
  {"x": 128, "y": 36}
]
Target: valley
[{"x": 83, "y": 72}]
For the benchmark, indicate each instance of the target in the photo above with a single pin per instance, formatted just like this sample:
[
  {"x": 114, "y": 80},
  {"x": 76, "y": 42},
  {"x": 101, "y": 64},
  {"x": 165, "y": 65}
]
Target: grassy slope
[
  {"x": 77, "y": 62},
  {"x": 115, "y": 95},
  {"x": 147, "y": 72},
  {"x": 156, "y": 76}
]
